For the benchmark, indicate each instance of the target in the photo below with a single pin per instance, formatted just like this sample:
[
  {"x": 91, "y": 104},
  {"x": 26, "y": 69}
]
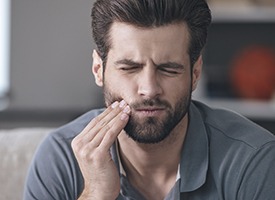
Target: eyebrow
[
  {"x": 171, "y": 65},
  {"x": 129, "y": 63}
]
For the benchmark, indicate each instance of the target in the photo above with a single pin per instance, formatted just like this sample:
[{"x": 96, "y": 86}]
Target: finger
[
  {"x": 86, "y": 135},
  {"x": 97, "y": 119},
  {"x": 115, "y": 126},
  {"x": 104, "y": 121},
  {"x": 119, "y": 123},
  {"x": 98, "y": 122}
]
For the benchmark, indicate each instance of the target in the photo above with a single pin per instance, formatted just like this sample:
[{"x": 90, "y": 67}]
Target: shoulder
[
  {"x": 56, "y": 146},
  {"x": 58, "y": 142},
  {"x": 66, "y": 133},
  {"x": 233, "y": 126},
  {"x": 54, "y": 163},
  {"x": 239, "y": 152}
]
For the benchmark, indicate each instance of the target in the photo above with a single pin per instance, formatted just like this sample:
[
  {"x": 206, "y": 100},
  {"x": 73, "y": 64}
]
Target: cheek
[
  {"x": 120, "y": 88},
  {"x": 128, "y": 91},
  {"x": 178, "y": 91},
  {"x": 178, "y": 86}
]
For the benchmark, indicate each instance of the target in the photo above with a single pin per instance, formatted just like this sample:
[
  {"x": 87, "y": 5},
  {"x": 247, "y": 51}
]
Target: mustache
[
  {"x": 154, "y": 102},
  {"x": 150, "y": 103}
]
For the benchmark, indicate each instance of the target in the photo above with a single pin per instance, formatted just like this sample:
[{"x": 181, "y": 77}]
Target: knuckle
[
  {"x": 97, "y": 156},
  {"x": 84, "y": 154},
  {"x": 104, "y": 124},
  {"x": 95, "y": 120},
  {"x": 107, "y": 127},
  {"x": 91, "y": 156},
  {"x": 76, "y": 144},
  {"x": 99, "y": 122},
  {"x": 110, "y": 134},
  {"x": 80, "y": 150}
]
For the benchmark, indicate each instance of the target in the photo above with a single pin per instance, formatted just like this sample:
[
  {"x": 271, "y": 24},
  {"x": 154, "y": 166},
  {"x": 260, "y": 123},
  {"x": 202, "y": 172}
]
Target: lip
[{"x": 149, "y": 111}]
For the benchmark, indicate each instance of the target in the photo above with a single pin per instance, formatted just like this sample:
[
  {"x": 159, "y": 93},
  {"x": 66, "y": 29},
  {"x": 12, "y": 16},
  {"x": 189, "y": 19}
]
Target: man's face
[{"x": 150, "y": 69}]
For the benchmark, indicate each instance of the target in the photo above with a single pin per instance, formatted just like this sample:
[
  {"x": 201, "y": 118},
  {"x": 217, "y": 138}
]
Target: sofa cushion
[{"x": 17, "y": 147}]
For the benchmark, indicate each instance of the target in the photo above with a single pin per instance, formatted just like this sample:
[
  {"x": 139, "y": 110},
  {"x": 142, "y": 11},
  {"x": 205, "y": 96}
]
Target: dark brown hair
[{"x": 151, "y": 13}]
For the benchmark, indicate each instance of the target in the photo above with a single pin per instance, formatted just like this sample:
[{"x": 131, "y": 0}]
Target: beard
[{"x": 151, "y": 130}]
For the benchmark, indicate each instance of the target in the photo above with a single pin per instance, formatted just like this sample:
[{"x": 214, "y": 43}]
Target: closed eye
[
  {"x": 169, "y": 71},
  {"x": 171, "y": 68},
  {"x": 128, "y": 68},
  {"x": 128, "y": 65}
]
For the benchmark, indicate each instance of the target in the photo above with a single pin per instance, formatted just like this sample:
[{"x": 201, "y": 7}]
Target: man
[{"x": 152, "y": 141}]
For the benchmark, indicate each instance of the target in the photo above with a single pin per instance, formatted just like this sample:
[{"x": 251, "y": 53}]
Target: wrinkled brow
[{"x": 128, "y": 62}]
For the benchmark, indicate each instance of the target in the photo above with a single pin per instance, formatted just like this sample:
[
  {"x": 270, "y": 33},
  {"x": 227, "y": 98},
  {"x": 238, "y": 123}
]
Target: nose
[{"x": 149, "y": 84}]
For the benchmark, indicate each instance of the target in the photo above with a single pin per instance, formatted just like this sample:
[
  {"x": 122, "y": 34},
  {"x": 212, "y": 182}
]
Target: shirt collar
[
  {"x": 121, "y": 169},
  {"x": 194, "y": 157}
]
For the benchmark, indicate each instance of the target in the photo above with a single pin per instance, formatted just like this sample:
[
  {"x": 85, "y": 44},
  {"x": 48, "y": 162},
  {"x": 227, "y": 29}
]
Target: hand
[{"x": 92, "y": 151}]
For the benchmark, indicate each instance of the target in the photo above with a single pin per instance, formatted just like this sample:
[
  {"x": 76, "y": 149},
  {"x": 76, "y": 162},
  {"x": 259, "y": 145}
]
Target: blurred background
[
  {"x": 45, "y": 61},
  {"x": 49, "y": 75}
]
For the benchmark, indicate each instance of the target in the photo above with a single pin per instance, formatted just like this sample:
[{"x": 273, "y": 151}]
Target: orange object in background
[{"x": 253, "y": 73}]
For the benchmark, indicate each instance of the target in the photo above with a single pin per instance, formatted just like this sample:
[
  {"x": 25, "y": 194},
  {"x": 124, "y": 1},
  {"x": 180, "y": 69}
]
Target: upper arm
[
  {"x": 258, "y": 181},
  {"x": 54, "y": 173}
]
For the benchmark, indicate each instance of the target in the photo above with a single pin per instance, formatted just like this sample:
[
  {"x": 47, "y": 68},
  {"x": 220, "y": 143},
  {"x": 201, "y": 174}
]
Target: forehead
[{"x": 157, "y": 43}]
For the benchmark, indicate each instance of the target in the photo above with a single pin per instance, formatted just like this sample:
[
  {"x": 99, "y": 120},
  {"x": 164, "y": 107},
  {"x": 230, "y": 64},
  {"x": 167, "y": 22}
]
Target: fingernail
[
  {"x": 122, "y": 103},
  {"x": 124, "y": 117},
  {"x": 114, "y": 105},
  {"x": 126, "y": 110}
]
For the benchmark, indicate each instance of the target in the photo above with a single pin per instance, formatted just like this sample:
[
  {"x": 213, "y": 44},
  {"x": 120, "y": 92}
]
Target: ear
[
  {"x": 197, "y": 70},
  {"x": 97, "y": 68}
]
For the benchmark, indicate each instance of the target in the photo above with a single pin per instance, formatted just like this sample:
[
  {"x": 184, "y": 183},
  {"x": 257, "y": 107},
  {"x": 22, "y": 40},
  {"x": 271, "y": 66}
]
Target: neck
[{"x": 147, "y": 164}]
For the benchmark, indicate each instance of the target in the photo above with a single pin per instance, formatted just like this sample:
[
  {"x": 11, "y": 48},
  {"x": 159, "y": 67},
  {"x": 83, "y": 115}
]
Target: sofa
[{"x": 17, "y": 147}]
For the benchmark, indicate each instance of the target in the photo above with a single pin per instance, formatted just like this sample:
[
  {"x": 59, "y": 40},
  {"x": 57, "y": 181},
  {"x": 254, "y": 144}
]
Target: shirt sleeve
[
  {"x": 54, "y": 173},
  {"x": 258, "y": 181}
]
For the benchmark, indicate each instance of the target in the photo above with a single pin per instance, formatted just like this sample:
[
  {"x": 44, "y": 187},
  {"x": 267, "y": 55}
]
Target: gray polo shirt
[{"x": 224, "y": 157}]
